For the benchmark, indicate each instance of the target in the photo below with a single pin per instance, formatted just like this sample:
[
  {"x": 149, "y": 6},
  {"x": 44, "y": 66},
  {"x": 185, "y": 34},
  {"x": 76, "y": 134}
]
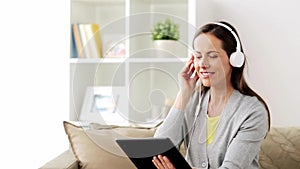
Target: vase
[{"x": 168, "y": 48}]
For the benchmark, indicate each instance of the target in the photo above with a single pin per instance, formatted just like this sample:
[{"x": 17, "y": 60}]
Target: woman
[{"x": 221, "y": 122}]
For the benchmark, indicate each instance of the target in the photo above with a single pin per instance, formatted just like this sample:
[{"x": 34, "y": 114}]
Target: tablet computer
[{"x": 141, "y": 151}]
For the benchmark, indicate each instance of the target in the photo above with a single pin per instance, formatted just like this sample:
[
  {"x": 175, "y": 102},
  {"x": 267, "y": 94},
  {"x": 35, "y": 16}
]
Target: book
[
  {"x": 73, "y": 49},
  {"x": 84, "y": 40},
  {"x": 91, "y": 41},
  {"x": 97, "y": 39},
  {"x": 78, "y": 42}
]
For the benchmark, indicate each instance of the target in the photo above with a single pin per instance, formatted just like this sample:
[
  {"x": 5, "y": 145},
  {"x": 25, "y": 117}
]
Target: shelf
[
  {"x": 130, "y": 60},
  {"x": 143, "y": 71},
  {"x": 110, "y": 2},
  {"x": 97, "y": 60},
  {"x": 157, "y": 60},
  {"x": 102, "y": 2},
  {"x": 168, "y": 1}
]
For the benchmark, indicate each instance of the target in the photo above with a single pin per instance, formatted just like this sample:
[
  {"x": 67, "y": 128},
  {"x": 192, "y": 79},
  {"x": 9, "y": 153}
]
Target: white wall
[
  {"x": 270, "y": 34},
  {"x": 34, "y": 40}
]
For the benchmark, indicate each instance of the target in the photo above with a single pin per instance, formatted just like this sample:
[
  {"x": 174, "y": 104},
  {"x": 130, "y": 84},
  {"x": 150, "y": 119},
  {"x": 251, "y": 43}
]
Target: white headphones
[{"x": 237, "y": 58}]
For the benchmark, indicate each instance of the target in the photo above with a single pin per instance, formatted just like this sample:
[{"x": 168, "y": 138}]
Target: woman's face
[{"x": 211, "y": 61}]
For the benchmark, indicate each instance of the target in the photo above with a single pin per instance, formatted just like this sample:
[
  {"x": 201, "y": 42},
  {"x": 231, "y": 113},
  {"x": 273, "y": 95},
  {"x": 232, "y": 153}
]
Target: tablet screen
[{"x": 141, "y": 151}]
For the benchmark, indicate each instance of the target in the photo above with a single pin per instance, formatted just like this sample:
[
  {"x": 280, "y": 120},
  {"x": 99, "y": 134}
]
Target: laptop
[{"x": 141, "y": 151}]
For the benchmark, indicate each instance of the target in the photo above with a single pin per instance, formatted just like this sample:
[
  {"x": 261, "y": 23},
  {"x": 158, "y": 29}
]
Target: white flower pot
[{"x": 167, "y": 48}]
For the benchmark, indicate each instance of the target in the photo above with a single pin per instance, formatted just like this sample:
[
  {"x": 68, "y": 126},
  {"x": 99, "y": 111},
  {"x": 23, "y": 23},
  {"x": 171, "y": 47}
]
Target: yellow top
[{"x": 211, "y": 126}]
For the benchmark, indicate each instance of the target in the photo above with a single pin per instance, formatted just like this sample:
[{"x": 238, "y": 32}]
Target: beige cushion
[
  {"x": 281, "y": 149},
  {"x": 96, "y": 149}
]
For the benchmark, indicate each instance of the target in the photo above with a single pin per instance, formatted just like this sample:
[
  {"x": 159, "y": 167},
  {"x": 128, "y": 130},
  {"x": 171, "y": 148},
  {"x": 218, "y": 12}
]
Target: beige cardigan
[{"x": 242, "y": 128}]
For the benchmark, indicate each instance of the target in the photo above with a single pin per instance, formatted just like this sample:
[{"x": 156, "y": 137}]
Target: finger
[
  {"x": 192, "y": 70},
  {"x": 157, "y": 163},
  {"x": 196, "y": 77},
  {"x": 188, "y": 64},
  {"x": 160, "y": 157},
  {"x": 168, "y": 162},
  {"x": 192, "y": 57},
  {"x": 188, "y": 72},
  {"x": 191, "y": 65}
]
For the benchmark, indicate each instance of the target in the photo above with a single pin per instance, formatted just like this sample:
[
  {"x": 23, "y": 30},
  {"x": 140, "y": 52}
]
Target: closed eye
[
  {"x": 213, "y": 56},
  {"x": 210, "y": 54},
  {"x": 197, "y": 55}
]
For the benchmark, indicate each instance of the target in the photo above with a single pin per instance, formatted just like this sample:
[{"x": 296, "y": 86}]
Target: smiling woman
[{"x": 221, "y": 118}]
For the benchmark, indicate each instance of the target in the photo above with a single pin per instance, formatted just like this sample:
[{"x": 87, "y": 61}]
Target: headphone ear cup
[{"x": 237, "y": 59}]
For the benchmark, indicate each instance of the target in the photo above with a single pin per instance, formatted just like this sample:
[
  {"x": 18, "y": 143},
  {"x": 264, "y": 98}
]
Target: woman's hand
[
  {"x": 187, "y": 80},
  {"x": 162, "y": 162}
]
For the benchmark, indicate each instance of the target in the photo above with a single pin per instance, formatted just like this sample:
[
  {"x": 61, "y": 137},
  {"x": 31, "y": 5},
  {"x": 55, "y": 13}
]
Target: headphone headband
[
  {"x": 237, "y": 58},
  {"x": 238, "y": 44}
]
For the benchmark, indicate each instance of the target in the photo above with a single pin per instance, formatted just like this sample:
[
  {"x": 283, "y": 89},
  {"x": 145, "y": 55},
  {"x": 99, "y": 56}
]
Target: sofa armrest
[{"x": 66, "y": 160}]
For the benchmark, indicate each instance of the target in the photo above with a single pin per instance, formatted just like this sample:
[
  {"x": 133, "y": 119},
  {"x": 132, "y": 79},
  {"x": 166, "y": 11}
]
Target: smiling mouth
[{"x": 206, "y": 74}]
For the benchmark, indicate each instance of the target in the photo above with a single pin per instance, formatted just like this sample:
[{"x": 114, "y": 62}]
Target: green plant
[{"x": 166, "y": 30}]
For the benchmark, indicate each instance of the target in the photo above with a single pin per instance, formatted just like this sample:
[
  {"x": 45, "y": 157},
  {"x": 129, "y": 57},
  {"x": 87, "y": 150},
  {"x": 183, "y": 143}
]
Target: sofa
[{"x": 94, "y": 147}]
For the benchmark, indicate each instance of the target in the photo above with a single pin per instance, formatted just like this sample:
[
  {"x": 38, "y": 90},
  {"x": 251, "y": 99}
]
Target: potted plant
[
  {"x": 165, "y": 36},
  {"x": 166, "y": 30}
]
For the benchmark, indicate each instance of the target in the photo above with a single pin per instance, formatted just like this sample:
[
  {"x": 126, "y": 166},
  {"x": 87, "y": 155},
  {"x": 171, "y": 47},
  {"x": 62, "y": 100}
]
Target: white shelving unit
[{"x": 147, "y": 79}]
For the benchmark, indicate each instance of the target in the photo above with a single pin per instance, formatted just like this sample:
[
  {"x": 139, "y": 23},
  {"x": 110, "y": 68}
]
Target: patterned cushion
[{"x": 281, "y": 149}]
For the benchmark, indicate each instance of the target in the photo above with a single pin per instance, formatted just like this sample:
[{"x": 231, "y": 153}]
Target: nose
[
  {"x": 201, "y": 64},
  {"x": 204, "y": 63}
]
